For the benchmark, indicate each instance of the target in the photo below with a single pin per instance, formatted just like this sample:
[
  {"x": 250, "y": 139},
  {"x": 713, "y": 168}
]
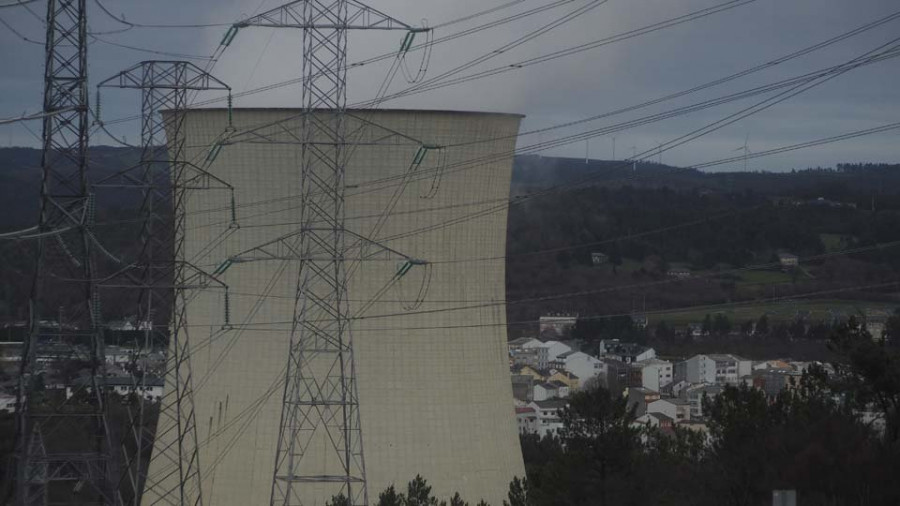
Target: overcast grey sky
[{"x": 566, "y": 89}]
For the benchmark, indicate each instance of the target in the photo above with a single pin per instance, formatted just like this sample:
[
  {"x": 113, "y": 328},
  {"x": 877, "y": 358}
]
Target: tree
[
  {"x": 663, "y": 332},
  {"x": 390, "y": 497},
  {"x": 892, "y": 328},
  {"x": 338, "y": 500},
  {"x": 706, "y": 329},
  {"x": 762, "y": 325},
  {"x": 872, "y": 375},
  {"x": 456, "y": 500},
  {"x": 518, "y": 493},
  {"x": 721, "y": 324},
  {"x": 418, "y": 493}
]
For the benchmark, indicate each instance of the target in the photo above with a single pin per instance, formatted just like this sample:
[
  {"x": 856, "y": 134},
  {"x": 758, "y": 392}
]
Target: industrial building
[{"x": 433, "y": 379}]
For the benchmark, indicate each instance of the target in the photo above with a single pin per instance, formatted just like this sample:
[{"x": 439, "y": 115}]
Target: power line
[
  {"x": 123, "y": 21},
  {"x": 608, "y": 130},
  {"x": 20, "y": 3},
  {"x": 392, "y": 54},
  {"x": 19, "y": 34}
]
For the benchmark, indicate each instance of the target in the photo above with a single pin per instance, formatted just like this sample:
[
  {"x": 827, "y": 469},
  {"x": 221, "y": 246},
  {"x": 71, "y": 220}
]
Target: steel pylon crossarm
[
  {"x": 62, "y": 437},
  {"x": 320, "y": 448},
  {"x": 325, "y": 15},
  {"x": 162, "y": 453}
]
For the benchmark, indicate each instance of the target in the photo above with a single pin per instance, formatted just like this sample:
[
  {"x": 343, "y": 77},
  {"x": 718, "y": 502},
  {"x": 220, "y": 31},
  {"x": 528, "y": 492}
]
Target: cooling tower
[{"x": 430, "y": 351}]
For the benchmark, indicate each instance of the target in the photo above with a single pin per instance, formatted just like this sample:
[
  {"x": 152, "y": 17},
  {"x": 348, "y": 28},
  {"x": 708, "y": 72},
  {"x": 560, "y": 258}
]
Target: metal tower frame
[
  {"x": 161, "y": 276},
  {"x": 320, "y": 404},
  {"x": 56, "y": 462}
]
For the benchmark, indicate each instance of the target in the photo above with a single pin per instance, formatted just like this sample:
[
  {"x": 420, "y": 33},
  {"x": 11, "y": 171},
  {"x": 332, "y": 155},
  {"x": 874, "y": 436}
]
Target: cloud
[{"x": 566, "y": 89}]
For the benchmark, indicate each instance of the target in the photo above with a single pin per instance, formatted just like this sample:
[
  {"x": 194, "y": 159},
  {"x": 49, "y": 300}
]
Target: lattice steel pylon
[
  {"x": 320, "y": 451},
  {"x": 62, "y": 433},
  {"x": 161, "y": 276}
]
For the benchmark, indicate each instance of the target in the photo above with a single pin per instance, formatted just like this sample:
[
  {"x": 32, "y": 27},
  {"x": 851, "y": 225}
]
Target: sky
[{"x": 566, "y": 89}]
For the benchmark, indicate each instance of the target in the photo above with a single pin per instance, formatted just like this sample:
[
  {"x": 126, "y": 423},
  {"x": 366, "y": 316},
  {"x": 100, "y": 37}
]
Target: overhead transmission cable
[
  {"x": 597, "y": 291},
  {"x": 494, "y": 157},
  {"x": 20, "y": 3},
  {"x": 123, "y": 21},
  {"x": 385, "y": 56},
  {"x": 691, "y": 90}
]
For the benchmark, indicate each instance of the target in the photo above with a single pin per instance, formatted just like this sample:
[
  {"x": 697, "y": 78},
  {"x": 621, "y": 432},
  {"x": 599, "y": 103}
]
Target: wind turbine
[{"x": 746, "y": 149}]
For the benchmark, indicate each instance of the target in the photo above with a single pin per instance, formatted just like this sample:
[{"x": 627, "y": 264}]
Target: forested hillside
[{"x": 726, "y": 229}]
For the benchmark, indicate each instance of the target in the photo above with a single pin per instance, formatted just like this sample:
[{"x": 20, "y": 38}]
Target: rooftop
[{"x": 551, "y": 404}]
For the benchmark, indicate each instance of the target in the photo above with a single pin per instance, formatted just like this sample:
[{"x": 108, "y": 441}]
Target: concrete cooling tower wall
[{"x": 434, "y": 388}]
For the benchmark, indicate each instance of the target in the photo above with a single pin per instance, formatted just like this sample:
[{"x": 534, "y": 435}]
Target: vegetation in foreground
[{"x": 811, "y": 438}]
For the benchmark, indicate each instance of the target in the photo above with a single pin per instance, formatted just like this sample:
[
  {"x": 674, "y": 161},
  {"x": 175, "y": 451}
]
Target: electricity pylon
[
  {"x": 62, "y": 435},
  {"x": 320, "y": 449},
  {"x": 160, "y": 276}
]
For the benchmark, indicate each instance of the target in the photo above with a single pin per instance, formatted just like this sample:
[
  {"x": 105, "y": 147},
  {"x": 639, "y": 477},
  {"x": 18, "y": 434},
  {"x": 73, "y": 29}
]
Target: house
[
  {"x": 640, "y": 321},
  {"x": 527, "y": 370},
  {"x": 149, "y": 388},
  {"x": 545, "y": 391},
  {"x": 641, "y": 397},
  {"x": 527, "y": 420},
  {"x": 695, "y": 329},
  {"x": 549, "y": 415},
  {"x": 7, "y": 403},
  {"x": 523, "y": 387},
  {"x": 876, "y": 322},
  {"x": 565, "y": 377},
  {"x": 558, "y": 325},
  {"x": 678, "y": 272},
  {"x": 580, "y": 364},
  {"x": 553, "y": 349},
  {"x": 730, "y": 368},
  {"x": 655, "y": 420},
  {"x": 562, "y": 389},
  {"x": 714, "y": 368},
  {"x": 682, "y": 409},
  {"x": 776, "y": 364},
  {"x": 625, "y": 352},
  {"x": 10, "y": 351},
  {"x": 117, "y": 355},
  {"x": 598, "y": 258},
  {"x": 525, "y": 351},
  {"x": 664, "y": 406},
  {"x": 654, "y": 373},
  {"x": 535, "y": 357},
  {"x": 697, "y": 393},
  {"x": 772, "y": 382},
  {"x": 613, "y": 375},
  {"x": 788, "y": 261}
]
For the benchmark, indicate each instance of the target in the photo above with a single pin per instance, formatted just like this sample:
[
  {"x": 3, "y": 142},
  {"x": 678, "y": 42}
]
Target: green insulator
[
  {"x": 229, "y": 36},
  {"x": 214, "y": 152}
]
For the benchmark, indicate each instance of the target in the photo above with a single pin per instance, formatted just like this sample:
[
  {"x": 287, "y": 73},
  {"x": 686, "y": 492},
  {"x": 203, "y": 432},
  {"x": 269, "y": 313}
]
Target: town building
[
  {"x": 527, "y": 420},
  {"x": 557, "y": 325},
  {"x": 523, "y": 387},
  {"x": 654, "y": 373},
  {"x": 578, "y": 363},
  {"x": 788, "y": 261},
  {"x": 598, "y": 258},
  {"x": 549, "y": 416},
  {"x": 717, "y": 368},
  {"x": 545, "y": 391},
  {"x": 678, "y": 272},
  {"x": 553, "y": 349},
  {"x": 695, "y": 395},
  {"x": 625, "y": 351},
  {"x": 7, "y": 403},
  {"x": 640, "y": 397}
]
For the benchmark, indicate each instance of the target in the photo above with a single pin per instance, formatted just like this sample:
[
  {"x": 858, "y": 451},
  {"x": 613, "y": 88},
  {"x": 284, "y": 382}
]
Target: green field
[
  {"x": 777, "y": 311},
  {"x": 833, "y": 242},
  {"x": 765, "y": 276}
]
